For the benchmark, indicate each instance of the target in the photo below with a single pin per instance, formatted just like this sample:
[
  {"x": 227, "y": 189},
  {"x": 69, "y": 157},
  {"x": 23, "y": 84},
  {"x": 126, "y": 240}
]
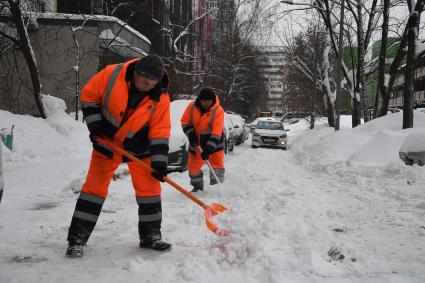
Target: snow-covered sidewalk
[{"x": 288, "y": 209}]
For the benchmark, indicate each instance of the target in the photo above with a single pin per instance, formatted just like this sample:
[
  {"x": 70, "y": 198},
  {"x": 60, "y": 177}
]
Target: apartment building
[{"x": 271, "y": 61}]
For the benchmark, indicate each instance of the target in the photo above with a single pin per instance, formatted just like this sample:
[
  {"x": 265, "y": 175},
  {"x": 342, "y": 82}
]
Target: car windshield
[{"x": 270, "y": 126}]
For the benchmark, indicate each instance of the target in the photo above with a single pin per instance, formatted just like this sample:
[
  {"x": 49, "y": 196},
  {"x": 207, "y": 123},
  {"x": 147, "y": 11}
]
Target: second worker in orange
[{"x": 202, "y": 122}]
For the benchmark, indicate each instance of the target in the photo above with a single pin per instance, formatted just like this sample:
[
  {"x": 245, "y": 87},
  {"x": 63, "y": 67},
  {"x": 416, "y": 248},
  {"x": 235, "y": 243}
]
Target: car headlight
[
  {"x": 255, "y": 135},
  {"x": 283, "y": 136}
]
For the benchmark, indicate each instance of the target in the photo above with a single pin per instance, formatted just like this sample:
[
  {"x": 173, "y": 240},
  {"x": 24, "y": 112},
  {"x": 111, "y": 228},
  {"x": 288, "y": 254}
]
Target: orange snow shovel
[{"x": 210, "y": 210}]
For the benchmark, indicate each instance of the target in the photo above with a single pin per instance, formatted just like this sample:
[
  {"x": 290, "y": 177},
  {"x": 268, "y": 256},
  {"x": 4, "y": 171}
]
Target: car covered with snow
[
  {"x": 241, "y": 133},
  {"x": 229, "y": 134},
  {"x": 179, "y": 144},
  {"x": 412, "y": 150},
  {"x": 269, "y": 133}
]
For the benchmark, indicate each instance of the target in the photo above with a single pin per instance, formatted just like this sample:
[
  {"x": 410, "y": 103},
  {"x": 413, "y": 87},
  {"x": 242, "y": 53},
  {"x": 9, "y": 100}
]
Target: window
[{"x": 269, "y": 125}]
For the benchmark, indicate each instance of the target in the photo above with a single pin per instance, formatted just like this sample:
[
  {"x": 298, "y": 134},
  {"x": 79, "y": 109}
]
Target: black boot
[
  {"x": 197, "y": 188},
  {"x": 197, "y": 181},
  {"x": 85, "y": 216},
  {"x": 157, "y": 245},
  {"x": 74, "y": 250},
  {"x": 150, "y": 218}
]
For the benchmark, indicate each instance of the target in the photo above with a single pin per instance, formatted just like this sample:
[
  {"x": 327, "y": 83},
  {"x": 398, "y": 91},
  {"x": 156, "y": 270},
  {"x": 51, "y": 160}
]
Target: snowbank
[
  {"x": 373, "y": 145},
  {"x": 36, "y": 139}
]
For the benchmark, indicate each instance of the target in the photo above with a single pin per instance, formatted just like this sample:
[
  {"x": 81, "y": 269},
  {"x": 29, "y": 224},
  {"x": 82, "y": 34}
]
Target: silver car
[
  {"x": 412, "y": 150},
  {"x": 269, "y": 133}
]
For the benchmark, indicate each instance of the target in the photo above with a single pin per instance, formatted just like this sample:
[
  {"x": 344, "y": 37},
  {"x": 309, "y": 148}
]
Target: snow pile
[
  {"x": 37, "y": 139},
  {"x": 375, "y": 144},
  {"x": 415, "y": 142}
]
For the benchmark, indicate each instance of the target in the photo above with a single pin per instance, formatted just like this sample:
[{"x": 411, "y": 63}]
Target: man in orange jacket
[
  {"x": 128, "y": 104},
  {"x": 202, "y": 122}
]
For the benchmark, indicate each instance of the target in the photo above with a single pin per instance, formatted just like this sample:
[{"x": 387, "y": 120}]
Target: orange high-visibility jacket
[
  {"x": 208, "y": 126},
  {"x": 104, "y": 103}
]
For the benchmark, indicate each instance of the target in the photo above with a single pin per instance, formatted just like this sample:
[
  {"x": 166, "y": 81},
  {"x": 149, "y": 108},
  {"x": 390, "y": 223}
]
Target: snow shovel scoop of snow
[{"x": 210, "y": 210}]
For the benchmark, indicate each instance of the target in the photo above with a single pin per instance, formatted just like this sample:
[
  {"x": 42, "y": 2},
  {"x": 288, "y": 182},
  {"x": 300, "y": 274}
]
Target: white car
[
  {"x": 179, "y": 143},
  {"x": 229, "y": 134},
  {"x": 254, "y": 123},
  {"x": 269, "y": 132},
  {"x": 412, "y": 150},
  {"x": 240, "y": 130}
]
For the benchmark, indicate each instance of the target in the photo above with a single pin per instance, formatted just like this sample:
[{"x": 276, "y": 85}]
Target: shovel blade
[{"x": 212, "y": 210}]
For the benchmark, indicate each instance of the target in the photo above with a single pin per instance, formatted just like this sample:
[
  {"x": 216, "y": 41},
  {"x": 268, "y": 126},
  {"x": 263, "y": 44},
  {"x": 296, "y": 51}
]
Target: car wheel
[
  {"x": 254, "y": 146},
  {"x": 225, "y": 146},
  {"x": 285, "y": 148}
]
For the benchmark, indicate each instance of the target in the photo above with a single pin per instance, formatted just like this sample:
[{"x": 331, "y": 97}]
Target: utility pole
[{"x": 340, "y": 61}]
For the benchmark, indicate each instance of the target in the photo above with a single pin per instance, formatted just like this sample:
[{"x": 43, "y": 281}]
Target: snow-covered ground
[{"x": 335, "y": 207}]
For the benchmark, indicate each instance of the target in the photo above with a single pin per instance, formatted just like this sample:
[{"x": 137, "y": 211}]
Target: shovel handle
[
  {"x": 211, "y": 169},
  {"x": 213, "y": 172},
  {"x": 130, "y": 156}
]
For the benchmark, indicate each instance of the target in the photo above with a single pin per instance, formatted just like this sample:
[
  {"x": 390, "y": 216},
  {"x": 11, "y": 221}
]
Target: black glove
[
  {"x": 206, "y": 152},
  {"x": 204, "y": 155},
  {"x": 96, "y": 132},
  {"x": 192, "y": 138},
  {"x": 96, "y": 145},
  {"x": 193, "y": 141},
  {"x": 93, "y": 137},
  {"x": 159, "y": 171}
]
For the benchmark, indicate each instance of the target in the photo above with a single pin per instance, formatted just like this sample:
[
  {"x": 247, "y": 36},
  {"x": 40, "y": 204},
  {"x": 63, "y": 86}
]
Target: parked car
[
  {"x": 179, "y": 144},
  {"x": 229, "y": 134},
  {"x": 241, "y": 132},
  {"x": 294, "y": 115},
  {"x": 393, "y": 110},
  {"x": 269, "y": 133},
  {"x": 254, "y": 123},
  {"x": 412, "y": 150}
]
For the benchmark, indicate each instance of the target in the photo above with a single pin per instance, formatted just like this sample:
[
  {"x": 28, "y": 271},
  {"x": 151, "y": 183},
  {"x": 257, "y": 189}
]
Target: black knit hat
[
  {"x": 150, "y": 67},
  {"x": 206, "y": 94}
]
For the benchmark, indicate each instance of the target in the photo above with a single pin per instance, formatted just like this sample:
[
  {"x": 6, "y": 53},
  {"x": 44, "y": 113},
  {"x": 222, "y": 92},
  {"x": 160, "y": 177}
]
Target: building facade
[
  {"x": 271, "y": 60},
  {"x": 98, "y": 41}
]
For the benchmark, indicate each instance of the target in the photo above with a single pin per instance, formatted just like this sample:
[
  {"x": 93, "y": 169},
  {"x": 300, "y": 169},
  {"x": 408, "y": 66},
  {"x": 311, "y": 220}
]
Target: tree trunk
[
  {"x": 382, "y": 98},
  {"x": 326, "y": 89},
  {"x": 27, "y": 51},
  {"x": 361, "y": 62},
  {"x": 330, "y": 111},
  {"x": 356, "y": 113},
  {"x": 409, "y": 74}
]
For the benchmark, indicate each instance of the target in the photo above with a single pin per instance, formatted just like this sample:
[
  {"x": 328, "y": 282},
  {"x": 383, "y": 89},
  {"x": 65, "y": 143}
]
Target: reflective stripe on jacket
[
  {"x": 208, "y": 126},
  {"x": 104, "y": 102}
]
